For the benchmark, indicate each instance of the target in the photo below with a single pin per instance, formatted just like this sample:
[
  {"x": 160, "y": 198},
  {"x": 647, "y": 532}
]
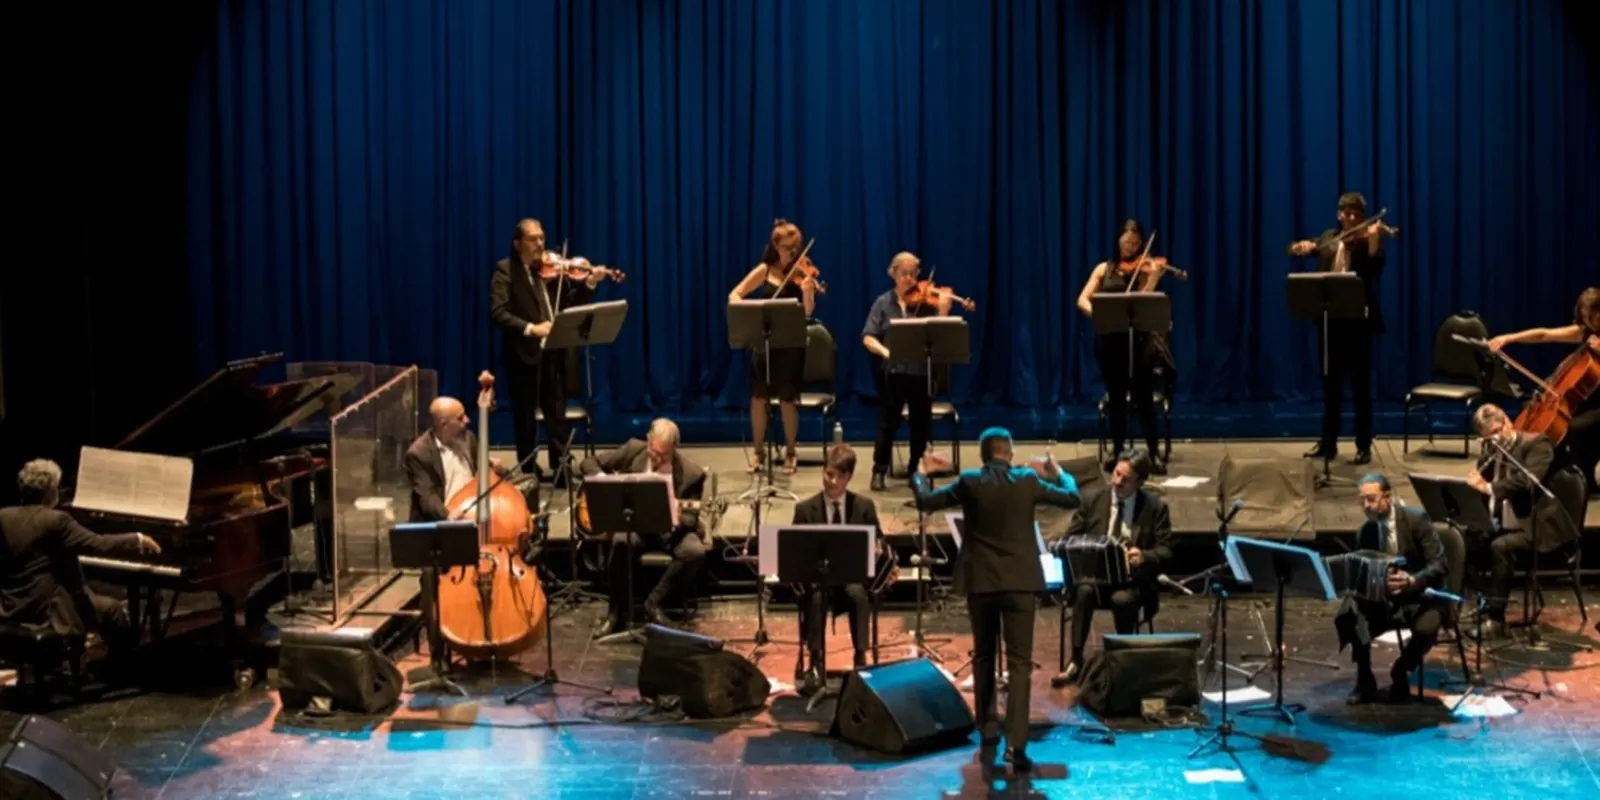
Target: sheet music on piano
[{"x": 134, "y": 484}]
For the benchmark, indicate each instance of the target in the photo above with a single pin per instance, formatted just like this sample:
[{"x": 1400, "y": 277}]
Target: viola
[
  {"x": 576, "y": 269},
  {"x": 926, "y": 292}
]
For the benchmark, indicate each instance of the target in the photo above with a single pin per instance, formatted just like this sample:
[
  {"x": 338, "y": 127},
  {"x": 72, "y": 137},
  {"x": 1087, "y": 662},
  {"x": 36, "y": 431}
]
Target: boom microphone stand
[{"x": 548, "y": 678}]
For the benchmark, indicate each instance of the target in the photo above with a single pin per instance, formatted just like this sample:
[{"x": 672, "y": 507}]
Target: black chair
[
  {"x": 1163, "y": 410},
  {"x": 1147, "y": 620},
  {"x": 1460, "y": 374},
  {"x": 944, "y": 410},
  {"x": 38, "y": 655},
  {"x": 1455, "y": 559},
  {"x": 658, "y": 560},
  {"x": 819, "y": 391},
  {"x": 1571, "y": 492},
  {"x": 577, "y": 412}
]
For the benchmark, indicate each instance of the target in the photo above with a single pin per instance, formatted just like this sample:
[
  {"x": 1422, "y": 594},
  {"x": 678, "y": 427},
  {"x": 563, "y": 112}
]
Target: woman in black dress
[
  {"x": 787, "y": 367},
  {"x": 1582, "y": 442}
]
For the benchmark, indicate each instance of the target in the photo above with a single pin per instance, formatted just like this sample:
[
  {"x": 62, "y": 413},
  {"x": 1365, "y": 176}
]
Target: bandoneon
[
  {"x": 1095, "y": 559},
  {"x": 1363, "y": 574}
]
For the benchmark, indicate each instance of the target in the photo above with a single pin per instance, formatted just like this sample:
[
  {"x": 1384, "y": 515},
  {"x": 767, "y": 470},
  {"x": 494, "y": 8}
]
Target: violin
[
  {"x": 576, "y": 269},
  {"x": 926, "y": 292},
  {"x": 802, "y": 270},
  {"x": 1151, "y": 266}
]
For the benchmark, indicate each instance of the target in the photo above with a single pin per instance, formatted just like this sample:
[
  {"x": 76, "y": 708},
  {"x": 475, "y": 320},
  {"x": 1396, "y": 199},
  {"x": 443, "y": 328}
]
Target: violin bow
[
  {"x": 796, "y": 264},
  {"x": 1137, "y": 265}
]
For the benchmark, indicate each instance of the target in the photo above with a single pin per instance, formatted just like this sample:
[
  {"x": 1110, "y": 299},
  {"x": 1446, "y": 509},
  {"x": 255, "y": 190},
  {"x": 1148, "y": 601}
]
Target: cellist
[{"x": 1582, "y": 442}]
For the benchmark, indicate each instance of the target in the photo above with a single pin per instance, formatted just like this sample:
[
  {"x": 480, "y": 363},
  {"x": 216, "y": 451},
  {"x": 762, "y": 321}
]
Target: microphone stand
[
  {"x": 1218, "y": 588},
  {"x": 1274, "y": 657},
  {"x": 919, "y": 639}
]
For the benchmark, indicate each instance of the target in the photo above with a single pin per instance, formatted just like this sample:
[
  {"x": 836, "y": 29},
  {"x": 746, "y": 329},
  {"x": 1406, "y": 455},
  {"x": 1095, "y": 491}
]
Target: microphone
[
  {"x": 1233, "y": 510},
  {"x": 1439, "y": 595},
  {"x": 1166, "y": 581}
]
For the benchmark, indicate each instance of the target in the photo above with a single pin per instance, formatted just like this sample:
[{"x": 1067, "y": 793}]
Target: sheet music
[
  {"x": 641, "y": 477},
  {"x": 767, "y": 539},
  {"x": 134, "y": 484}
]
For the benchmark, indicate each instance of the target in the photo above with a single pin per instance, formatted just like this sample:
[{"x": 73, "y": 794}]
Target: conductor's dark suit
[{"x": 999, "y": 571}]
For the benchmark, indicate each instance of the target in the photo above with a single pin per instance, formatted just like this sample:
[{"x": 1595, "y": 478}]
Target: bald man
[
  {"x": 442, "y": 460},
  {"x": 901, "y": 386}
]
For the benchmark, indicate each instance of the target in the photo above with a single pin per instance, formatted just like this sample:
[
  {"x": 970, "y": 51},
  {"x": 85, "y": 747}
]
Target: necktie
[
  {"x": 1386, "y": 537},
  {"x": 838, "y": 513},
  {"x": 1341, "y": 259}
]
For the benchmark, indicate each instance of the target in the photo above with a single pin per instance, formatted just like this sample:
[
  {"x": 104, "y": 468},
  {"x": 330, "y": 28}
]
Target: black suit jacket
[
  {"x": 1368, "y": 266},
  {"x": 41, "y": 584},
  {"x": 515, "y": 303},
  {"x": 1152, "y": 528},
  {"x": 858, "y": 510},
  {"x": 1000, "y": 552},
  {"x": 688, "y": 478},
  {"x": 1418, "y": 543},
  {"x": 425, "y": 470},
  {"x": 1541, "y": 514}
]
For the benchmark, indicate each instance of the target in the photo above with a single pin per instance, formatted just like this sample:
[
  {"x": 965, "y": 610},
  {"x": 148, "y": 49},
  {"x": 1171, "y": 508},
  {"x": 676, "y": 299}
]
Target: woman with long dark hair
[{"x": 1582, "y": 442}]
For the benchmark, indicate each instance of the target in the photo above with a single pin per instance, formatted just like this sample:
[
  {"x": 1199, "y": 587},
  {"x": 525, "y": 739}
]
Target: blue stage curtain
[{"x": 355, "y": 169}]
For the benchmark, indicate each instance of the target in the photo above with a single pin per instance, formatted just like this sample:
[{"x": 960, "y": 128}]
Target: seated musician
[
  {"x": 1583, "y": 431},
  {"x": 1406, "y": 532},
  {"x": 1512, "y": 501},
  {"x": 837, "y": 505},
  {"x": 1138, "y": 519},
  {"x": 441, "y": 461},
  {"x": 41, "y": 585},
  {"x": 659, "y": 454}
]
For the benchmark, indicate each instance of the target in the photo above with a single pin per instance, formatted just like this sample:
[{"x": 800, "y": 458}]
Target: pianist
[{"x": 41, "y": 585}]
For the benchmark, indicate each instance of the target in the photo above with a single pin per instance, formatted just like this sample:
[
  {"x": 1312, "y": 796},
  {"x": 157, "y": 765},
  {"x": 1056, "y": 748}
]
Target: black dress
[{"x": 788, "y": 364}]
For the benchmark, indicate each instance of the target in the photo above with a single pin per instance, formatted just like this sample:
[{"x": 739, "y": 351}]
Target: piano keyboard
[{"x": 136, "y": 567}]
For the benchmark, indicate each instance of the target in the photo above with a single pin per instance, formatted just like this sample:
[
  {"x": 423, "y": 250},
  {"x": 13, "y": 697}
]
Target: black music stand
[
  {"x": 766, "y": 325},
  {"x": 626, "y": 505},
  {"x": 1323, "y": 297},
  {"x": 1131, "y": 312},
  {"x": 581, "y": 326},
  {"x": 826, "y": 557},
  {"x": 548, "y": 678},
  {"x": 1284, "y": 566},
  {"x": 434, "y": 547}
]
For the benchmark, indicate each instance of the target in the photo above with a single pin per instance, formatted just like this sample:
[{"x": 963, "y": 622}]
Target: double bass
[{"x": 496, "y": 608}]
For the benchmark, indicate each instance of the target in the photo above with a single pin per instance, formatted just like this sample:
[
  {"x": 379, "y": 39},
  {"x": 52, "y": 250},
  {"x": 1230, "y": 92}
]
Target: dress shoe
[
  {"x": 1320, "y": 452},
  {"x": 878, "y": 482},
  {"x": 605, "y": 627},
  {"x": 1068, "y": 677},
  {"x": 1492, "y": 629},
  {"x": 1366, "y": 690},
  {"x": 860, "y": 660},
  {"x": 1399, "y": 687},
  {"x": 1158, "y": 466},
  {"x": 1018, "y": 759},
  {"x": 1362, "y": 457},
  {"x": 652, "y": 612}
]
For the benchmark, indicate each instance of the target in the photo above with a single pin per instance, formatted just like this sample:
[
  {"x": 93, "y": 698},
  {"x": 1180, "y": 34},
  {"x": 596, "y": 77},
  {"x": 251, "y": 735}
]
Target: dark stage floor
[{"x": 196, "y": 739}]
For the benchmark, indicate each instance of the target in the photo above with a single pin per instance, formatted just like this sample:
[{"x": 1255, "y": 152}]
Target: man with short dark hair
[
  {"x": 837, "y": 505},
  {"x": 1136, "y": 519},
  {"x": 1000, "y": 572},
  {"x": 41, "y": 584},
  {"x": 1407, "y": 533}
]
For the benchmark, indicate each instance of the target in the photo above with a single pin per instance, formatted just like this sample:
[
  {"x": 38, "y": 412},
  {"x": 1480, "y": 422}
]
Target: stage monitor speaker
[
  {"x": 42, "y": 760},
  {"x": 335, "y": 671},
  {"x": 1276, "y": 493},
  {"x": 901, "y": 707},
  {"x": 1135, "y": 667},
  {"x": 694, "y": 673}
]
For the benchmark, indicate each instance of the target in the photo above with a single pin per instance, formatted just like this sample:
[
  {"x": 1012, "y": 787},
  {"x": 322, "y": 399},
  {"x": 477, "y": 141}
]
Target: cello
[
  {"x": 496, "y": 608},
  {"x": 1550, "y": 412}
]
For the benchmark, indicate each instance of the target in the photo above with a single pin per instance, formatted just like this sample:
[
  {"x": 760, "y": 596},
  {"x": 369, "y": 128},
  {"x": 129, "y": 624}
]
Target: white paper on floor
[
  {"x": 1183, "y": 482},
  {"x": 1213, "y": 776},
  {"x": 1245, "y": 695},
  {"x": 1390, "y": 638},
  {"x": 778, "y": 687},
  {"x": 1479, "y": 706},
  {"x": 966, "y": 683}
]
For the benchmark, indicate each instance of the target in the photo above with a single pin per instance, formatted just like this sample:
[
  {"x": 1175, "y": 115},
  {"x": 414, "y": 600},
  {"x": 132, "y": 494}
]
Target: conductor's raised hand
[{"x": 932, "y": 462}]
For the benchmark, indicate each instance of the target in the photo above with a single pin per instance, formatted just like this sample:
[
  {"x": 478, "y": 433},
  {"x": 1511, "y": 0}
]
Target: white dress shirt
[{"x": 457, "y": 472}]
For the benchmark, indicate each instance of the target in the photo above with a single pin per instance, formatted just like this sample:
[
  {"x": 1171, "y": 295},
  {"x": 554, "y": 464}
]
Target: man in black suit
[
  {"x": 442, "y": 460},
  {"x": 659, "y": 453},
  {"x": 1349, "y": 340},
  {"x": 1407, "y": 533},
  {"x": 1000, "y": 572},
  {"x": 523, "y": 305},
  {"x": 1521, "y": 510},
  {"x": 837, "y": 505},
  {"x": 1139, "y": 520},
  {"x": 41, "y": 585}
]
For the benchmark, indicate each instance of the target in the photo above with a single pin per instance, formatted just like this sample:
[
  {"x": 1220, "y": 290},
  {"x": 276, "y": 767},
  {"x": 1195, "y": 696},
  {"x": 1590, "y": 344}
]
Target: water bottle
[{"x": 838, "y": 433}]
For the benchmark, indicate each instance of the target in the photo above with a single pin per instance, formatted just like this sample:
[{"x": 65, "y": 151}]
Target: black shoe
[
  {"x": 652, "y": 612},
  {"x": 1157, "y": 465},
  {"x": 1492, "y": 629},
  {"x": 1070, "y": 676},
  {"x": 1018, "y": 759},
  {"x": 1321, "y": 452},
  {"x": 1362, "y": 457},
  {"x": 878, "y": 482},
  {"x": 860, "y": 660},
  {"x": 1366, "y": 690},
  {"x": 1399, "y": 686}
]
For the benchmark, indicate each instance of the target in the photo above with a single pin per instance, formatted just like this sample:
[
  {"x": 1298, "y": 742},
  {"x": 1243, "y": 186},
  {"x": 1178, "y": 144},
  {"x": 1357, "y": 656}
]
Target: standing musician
[
  {"x": 1000, "y": 572},
  {"x": 41, "y": 584},
  {"x": 904, "y": 385},
  {"x": 659, "y": 453},
  {"x": 1582, "y": 441},
  {"x": 784, "y": 272},
  {"x": 837, "y": 505},
  {"x": 1408, "y": 533},
  {"x": 1131, "y": 271},
  {"x": 1350, "y": 343},
  {"x": 1137, "y": 519},
  {"x": 527, "y": 288},
  {"x": 1513, "y": 500}
]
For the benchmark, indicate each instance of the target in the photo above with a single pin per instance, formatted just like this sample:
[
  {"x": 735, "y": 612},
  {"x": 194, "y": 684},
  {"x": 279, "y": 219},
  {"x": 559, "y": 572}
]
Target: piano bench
[{"x": 39, "y": 655}]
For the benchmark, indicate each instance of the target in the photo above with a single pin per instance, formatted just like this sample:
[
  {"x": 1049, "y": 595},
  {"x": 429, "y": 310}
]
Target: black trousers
[
  {"x": 1582, "y": 443},
  {"x": 1358, "y": 621},
  {"x": 688, "y": 555},
  {"x": 1504, "y": 550},
  {"x": 541, "y": 387},
  {"x": 1349, "y": 361},
  {"x": 814, "y": 602},
  {"x": 1115, "y": 356},
  {"x": 902, "y": 391},
  {"x": 1124, "y": 602},
  {"x": 1011, "y": 615}
]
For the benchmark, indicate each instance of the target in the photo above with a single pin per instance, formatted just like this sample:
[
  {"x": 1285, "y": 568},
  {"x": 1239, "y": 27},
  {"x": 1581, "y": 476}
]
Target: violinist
[
  {"x": 904, "y": 386},
  {"x": 1513, "y": 501},
  {"x": 1350, "y": 340},
  {"x": 1128, "y": 271},
  {"x": 1582, "y": 441},
  {"x": 520, "y": 305},
  {"x": 784, "y": 272}
]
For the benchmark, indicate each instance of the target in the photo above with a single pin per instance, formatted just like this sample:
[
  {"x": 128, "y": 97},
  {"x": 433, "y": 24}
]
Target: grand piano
[{"x": 249, "y": 472}]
